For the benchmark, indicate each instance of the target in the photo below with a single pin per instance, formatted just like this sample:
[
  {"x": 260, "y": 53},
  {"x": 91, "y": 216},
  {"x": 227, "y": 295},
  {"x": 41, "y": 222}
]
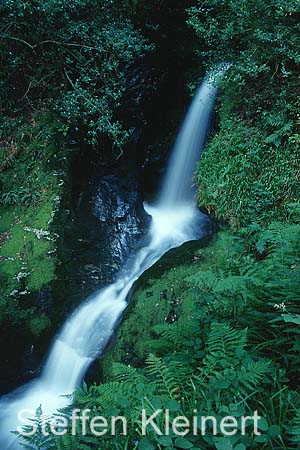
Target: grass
[{"x": 242, "y": 178}]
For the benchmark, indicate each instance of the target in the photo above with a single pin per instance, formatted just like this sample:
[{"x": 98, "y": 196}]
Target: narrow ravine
[{"x": 175, "y": 219}]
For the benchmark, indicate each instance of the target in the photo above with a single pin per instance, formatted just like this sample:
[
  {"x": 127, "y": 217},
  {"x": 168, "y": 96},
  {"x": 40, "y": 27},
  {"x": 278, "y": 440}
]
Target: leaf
[
  {"x": 240, "y": 447},
  {"x": 291, "y": 318},
  {"x": 165, "y": 441},
  {"x": 146, "y": 444},
  {"x": 274, "y": 430},
  {"x": 260, "y": 246},
  {"x": 236, "y": 410},
  {"x": 261, "y": 438},
  {"x": 156, "y": 403},
  {"x": 263, "y": 424},
  {"x": 140, "y": 387},
  {"x": 172, "y": 405},
  {"x": 222, "y": 384},
  {"x": 223, "y": 444},
  {"x": 183, "y": 443}
]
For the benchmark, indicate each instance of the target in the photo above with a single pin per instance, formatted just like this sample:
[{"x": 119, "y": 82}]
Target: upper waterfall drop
[
  {"x": 177, "y": 185},
  {"x": 175, "y": 220}
]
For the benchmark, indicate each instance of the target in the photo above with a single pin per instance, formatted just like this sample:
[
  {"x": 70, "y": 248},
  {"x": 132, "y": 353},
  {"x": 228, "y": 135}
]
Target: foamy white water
[{"x": 175, "y": 220}]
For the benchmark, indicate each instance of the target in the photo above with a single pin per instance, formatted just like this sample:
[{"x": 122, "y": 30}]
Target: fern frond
[
  {"x": 126, "y": 374},
  {"x": 103, "y": 396},
  {"x": 164, "y": 376},
  {"x": 223, "y": 340},
  {"x": 173, "y": 337},
  {"x": 250, "y": 377}
]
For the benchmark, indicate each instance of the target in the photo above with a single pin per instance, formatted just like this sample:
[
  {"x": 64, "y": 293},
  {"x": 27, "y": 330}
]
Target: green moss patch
[
  {"x": 164, "y": 296},
  {"x": 31, "y": 186}
]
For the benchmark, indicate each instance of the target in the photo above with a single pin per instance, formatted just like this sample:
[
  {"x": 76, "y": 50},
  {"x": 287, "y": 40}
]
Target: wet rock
[
  {"x": 119, "y": 209},
  {"x": 44, "y": 299},
  {"x": 30, "y": 363},
  {"x": 93, "y": 272}
]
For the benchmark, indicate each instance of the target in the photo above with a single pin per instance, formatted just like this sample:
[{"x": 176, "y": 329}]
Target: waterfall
[
  {"x": 175, "y": 220},
  {"x": 177, "y": 186}
]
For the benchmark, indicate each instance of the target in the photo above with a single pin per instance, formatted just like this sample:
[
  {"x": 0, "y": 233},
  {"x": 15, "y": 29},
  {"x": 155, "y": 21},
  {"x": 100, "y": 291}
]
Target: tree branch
[
  {"x": 49, "y": 41},
  {"x": 28, "y": 89},
  {"x": 19, "y": 40}
]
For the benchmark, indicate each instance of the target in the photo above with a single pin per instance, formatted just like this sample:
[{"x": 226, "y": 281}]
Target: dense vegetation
[
  {"x": 62, "y": 80},
  {"x": 234, "y": 346},
  {"x": 251, "y": 169},
  {"x": 72, "y": 55}
]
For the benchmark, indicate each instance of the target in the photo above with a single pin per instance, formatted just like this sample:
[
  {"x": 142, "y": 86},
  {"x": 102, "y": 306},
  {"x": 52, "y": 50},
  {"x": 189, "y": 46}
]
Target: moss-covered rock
[
  {"x": 31, "y": 189},
  {"x": 164, "y": 295}
]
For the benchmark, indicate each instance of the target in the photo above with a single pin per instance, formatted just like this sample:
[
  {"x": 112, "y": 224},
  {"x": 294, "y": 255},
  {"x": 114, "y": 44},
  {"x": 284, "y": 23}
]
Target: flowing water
[{"x": 175, "y": 220}]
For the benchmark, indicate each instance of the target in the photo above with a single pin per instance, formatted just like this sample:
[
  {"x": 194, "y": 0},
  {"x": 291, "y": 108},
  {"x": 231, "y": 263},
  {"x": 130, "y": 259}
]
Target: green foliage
[
  {"x": 136, "y": 342},
  {"x": 242, "y": 178},
  {"x": 132, "y": 390},
  {"x": 38, "y": 324},
  {"x": 251, "y": 168},
  {"x": 226, "y": 346},
  {"x": 37, "y": 441},
  {"x": 233, "y": 348},
  {"x": 220, "y": 334},
  {"x": 262, "y": 40},
  {"x": 231, "y": 26},
  {"x": 20, "y": 197},
  {"x": 71, "y": 57}
]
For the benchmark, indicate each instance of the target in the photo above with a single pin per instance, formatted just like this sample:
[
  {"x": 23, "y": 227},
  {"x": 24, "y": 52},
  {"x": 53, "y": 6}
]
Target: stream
[{"x": 175, "y": 219}]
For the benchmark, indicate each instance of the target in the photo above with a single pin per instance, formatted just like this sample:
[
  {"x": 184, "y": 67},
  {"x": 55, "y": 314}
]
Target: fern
[
  {"x": 249, "y": 377},
  {"x": 38, "y": 440},
  {"x": 223, "y": 340},
  {"x": 173, "y": 338},
  {"x": 124, "y": 374},
  {"x": 68, "y": 442},
  {"x": 293, "y": 429},
  {"x": 164, "y": 376},
  {"x": 102, "y": 396}
]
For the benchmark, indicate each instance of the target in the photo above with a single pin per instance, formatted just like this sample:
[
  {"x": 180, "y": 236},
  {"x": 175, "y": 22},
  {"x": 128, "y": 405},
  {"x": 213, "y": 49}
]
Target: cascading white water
[
  {"x": 177, "y": 187},
  {"x": 175, "y": 220}
]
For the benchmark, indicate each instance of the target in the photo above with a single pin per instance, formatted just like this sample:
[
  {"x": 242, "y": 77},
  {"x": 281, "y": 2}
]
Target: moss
[
  {"x": 168, "y": 288},
  {"x": 28, "y": 260},
  {"x": 6, "y": 219},
  {"x": 164, "y": 291},
  {"x": 23, "y": 249}
]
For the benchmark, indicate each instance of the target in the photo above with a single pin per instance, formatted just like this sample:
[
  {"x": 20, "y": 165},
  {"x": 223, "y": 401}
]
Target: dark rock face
[
  {"x": 44, "y": 298},
  {"x": 142, "y": 80},
  {"x": 119, "y": 208},
  {"x": 103, "y": 226}
]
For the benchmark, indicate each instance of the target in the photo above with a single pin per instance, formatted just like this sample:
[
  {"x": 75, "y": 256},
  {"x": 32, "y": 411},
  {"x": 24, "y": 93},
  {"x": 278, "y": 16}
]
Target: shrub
[{"x": 70, "y": 55}]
